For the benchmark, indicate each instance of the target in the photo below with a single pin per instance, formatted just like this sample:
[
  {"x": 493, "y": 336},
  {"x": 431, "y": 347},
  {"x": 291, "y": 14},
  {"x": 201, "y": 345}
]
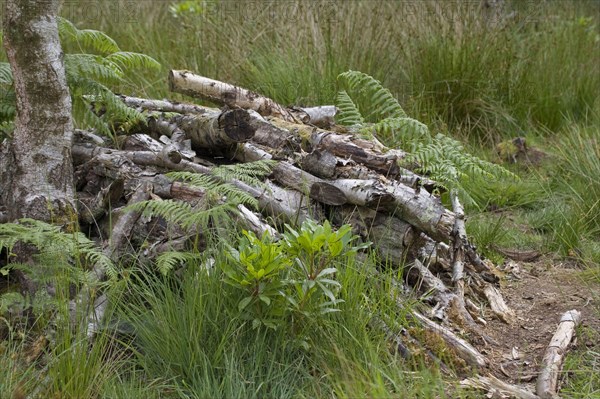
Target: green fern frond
[
  {"x": 94, "y": 39},
  {"x": 128, "y": 60},
  {"x": 399, "y": 129},
  {"x": 195, "y": 179},
  {"x": 233, "y": 194},
  {"x": 7, "y": 106},
  {"x": 92, "y": 67},
  {"x": 221, "y": 215},
  {"x": 348, "y": 113},
  {"x": 55, "y": 246},
  {"x": 251, "y": 173},
  {"x": 377, "y": 102},
  {"x": 167, "y": 261},
  {"x": 5, "y": 74},
  {"x": 171, "y": 210},
  {"x": 441, "y": 158},
  {"x": 220, "y": 201},
  {"x": 89, "y": 77}
]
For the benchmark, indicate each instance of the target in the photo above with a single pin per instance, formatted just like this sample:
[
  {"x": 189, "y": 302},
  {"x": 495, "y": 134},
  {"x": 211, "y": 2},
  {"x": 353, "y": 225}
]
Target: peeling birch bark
[
  {"x": 369, "y": 193},
  {"x": 323, "y": 116},
  {"x": 290, "y": 176}
]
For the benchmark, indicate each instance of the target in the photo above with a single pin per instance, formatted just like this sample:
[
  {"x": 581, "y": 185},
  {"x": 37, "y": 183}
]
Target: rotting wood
[
  {"x": 391, "y": 236},
  {"x": 213, "y": 130},
  {"x": 462, "y": 348}
]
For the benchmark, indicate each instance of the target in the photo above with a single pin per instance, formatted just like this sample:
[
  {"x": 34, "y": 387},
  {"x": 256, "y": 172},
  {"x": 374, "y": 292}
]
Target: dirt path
[{"x": 539, "y": 293}]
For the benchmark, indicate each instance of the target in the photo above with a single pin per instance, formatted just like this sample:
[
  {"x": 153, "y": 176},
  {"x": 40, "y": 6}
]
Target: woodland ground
[{"x": 534, "y": 74}]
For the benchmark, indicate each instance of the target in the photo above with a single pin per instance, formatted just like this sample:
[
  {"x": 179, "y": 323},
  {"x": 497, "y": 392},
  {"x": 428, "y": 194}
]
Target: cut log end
[{"x": 237, "y": 125}]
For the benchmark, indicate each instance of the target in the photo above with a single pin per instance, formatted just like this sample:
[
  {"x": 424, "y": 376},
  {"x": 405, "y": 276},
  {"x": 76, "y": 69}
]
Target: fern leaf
[
  {"x": 5, "y": 74},
  {"x": 90, "y": 66},
  {"x": 167, "y": 261},
  {"x": 94, "y": 39},
  {"x": 348, "y": 114},
  {"x": 378, "y": 101},
  {"x": 399, "y": 130},
  {"x": 129, "y": 60}
]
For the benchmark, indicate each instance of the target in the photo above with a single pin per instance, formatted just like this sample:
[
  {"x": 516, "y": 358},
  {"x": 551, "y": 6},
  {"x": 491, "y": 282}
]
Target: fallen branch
[
  {"x": 547, "y": 381},
  {"x": 496, "y": 388}
]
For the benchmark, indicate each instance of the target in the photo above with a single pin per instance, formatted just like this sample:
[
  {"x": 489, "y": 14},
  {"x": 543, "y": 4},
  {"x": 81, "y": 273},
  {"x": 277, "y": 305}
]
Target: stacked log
[{"x": 319, "y": 169}]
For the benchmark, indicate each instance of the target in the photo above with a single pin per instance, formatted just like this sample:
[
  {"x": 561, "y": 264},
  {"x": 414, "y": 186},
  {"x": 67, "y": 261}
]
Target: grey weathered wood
[
  {"x": 423, "y": 210},
  {"x": 216, "y": 129},
  {"x": 291, "y": 176},
  {"x": 391, "y": 236},
  {"x": 497, "y": 387},
  {"x": 370, "y": 193},
  {"x": 547, "y": 382}
]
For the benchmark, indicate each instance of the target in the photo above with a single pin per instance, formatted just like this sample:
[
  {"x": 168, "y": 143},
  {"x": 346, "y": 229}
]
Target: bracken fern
[
  {"x": 371, "y": 110},
  {"x": 98, "y": 64},
  {"x": 220, "y": 200}
]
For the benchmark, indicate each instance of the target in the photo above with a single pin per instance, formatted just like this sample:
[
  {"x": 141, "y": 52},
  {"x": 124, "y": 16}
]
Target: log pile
[{"x": 321, "y": 169}]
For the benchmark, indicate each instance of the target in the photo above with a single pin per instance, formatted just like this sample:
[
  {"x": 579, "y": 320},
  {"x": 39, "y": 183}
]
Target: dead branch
[{"x": 547, "y": 382}]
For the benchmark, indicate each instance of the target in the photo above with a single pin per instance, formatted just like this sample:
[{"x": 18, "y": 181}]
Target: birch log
[
  {"x": 193, "y": 85},
  {"x": 547, "y": 381},
  {"x": 217, "y": 129},
  {"x": 291, "y": 176}
]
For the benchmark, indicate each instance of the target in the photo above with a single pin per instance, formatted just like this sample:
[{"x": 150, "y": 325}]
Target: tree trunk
[{"x": 37, "y": 172}]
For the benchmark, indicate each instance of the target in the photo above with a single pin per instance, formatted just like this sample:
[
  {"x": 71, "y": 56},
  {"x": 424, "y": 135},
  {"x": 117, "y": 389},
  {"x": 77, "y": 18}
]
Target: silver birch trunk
[{"x": 37, "y": 172}]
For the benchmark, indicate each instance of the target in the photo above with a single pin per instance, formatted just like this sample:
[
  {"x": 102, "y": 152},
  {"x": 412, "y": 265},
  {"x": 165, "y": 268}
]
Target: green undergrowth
[{"x": 185, "y": 329}]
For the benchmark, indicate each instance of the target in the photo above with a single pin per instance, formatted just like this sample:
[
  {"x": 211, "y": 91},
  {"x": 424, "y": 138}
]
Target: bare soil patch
[{"x": 539, "y": 293}]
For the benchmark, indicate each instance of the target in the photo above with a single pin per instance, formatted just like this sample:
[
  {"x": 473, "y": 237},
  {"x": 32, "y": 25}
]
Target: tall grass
[
  {"x": 570, "y": 210},
  {"x": 189, "y": 331},
  {"x": 447, "y": 61}
]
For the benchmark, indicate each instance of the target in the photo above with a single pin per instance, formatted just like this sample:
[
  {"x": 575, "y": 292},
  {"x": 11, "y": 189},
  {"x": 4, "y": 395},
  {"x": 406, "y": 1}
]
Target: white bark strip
[
  {"x": 370, "y": 193},
  {"x": 547, "y": 381},
  {"x": 144, "y": 104},
  {"x": 323, "y": 116}
]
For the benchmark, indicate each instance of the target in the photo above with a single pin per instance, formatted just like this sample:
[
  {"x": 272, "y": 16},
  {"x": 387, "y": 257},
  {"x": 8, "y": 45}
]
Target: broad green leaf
[{"x": 244, "y": 303}]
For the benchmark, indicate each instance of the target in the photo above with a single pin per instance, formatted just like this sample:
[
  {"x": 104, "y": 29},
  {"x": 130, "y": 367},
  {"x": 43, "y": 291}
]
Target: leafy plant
[
  {"x": 256, "y": 267},
  {"x": 291, "y": 279},
  {"x": 371, "y": 110}
]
